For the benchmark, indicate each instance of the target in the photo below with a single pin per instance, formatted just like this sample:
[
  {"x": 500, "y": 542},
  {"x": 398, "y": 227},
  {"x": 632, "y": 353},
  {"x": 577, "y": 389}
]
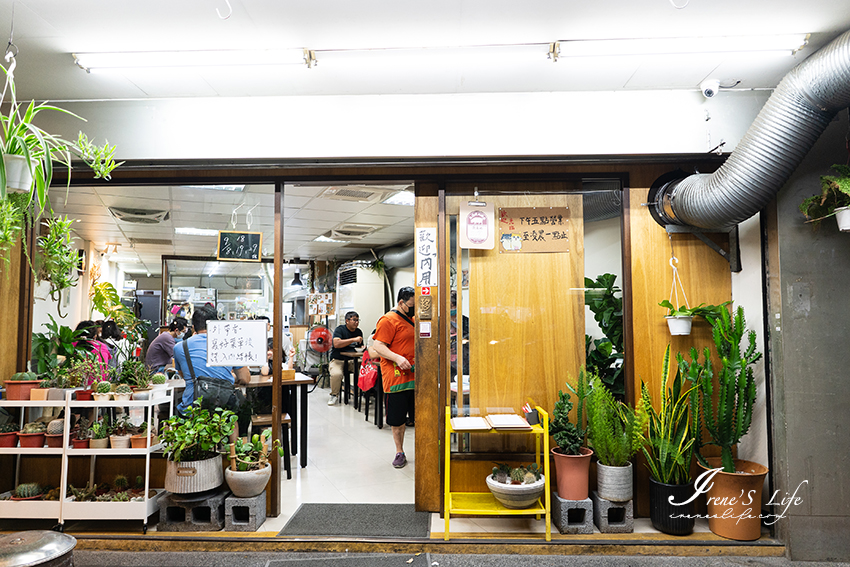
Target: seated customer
[
  {"x": 197, "y": 347},
  {"x": 162, "y": 348}
]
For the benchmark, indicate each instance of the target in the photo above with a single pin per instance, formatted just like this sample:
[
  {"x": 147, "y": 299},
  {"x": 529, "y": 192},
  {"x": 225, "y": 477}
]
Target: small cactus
[
  {"x": 123, "y": 389},
  {"x": 44, "y": 384},
  {"x": 121, "y": 482},
  {"x": 27, "y": 490},
  {"x": 529, "y": 478},
  {"x": 140, "y": 482},
  {"x": 34, "y": 427},
  {"x": 56, "y": 427},
  {"x": 9, "y": 427},
  {"x": 103, "y": 387},
  {"x": 158, "y": 378},
  {"x": 517, "y": 475}
]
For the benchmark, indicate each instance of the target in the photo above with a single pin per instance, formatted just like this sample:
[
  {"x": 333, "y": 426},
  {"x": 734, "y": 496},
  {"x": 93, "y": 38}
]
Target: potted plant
[
  {"x": 102, "y": 391},
  {"x": 727, "y": 417},
  {"x": 679, "y": 320},
  {"x": 83, "y": 373},
  {"x": 9, "y": 435},
  {"x": 119, "y": 437},
  {"x": 55, "y": 433},
  {"x": 571, "y": 456},
  {"x": 158, "y": 381},
  {"x": 833, "y": 200},
  {"x": 32, "y": 434},
  {"x": 122, "y": 393},
  {"x": 669, "y": 444},
  {"x": 100, "y": 430},
  {"x": 139, "y": 440},
  {"x": 250, "y": 469},
  {"x": 19, "y": 385},
  {"x": 54, "y": 347},
  {"x": 604, "y": 357},
  {"x": 192, "y": 444},
  {"x": 41, "y": 392},
  {"x": 615, "y": 432},
  {"x": 516, "y": 488},
  {"x": 135, "y": 374},
  {"x": 56, "y": 258},
  {"x": 82, "y": 434}
]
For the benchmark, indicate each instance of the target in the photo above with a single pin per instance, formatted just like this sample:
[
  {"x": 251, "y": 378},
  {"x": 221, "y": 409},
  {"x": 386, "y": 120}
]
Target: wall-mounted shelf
[{"x": 733, "y": 255}]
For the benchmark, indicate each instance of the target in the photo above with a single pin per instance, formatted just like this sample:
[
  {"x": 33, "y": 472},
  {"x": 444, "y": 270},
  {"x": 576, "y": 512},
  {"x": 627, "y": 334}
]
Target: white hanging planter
[
  {"x": 679, "y": 324},
  {"x": 18, "y": 174},
  {"x": 842, "y": 216}
]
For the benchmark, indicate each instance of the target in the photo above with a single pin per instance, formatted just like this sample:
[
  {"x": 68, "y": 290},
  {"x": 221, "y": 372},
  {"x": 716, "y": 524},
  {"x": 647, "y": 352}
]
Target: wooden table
[{"x": 258, "y": 380}]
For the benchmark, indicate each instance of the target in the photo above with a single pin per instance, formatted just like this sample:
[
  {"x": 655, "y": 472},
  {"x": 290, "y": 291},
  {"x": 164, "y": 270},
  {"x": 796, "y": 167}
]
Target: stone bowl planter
[
  {"x": 517, "y": 496},
  {"x": 247, "y": 484},
  {"x": 119, "y": 441}
]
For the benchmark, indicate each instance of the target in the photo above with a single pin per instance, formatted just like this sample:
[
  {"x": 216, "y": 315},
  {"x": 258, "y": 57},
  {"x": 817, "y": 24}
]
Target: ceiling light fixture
[
  {"x": 406, "y": 198},
  {"x": 115, "y": 61},
  {"x": 324, "y": 238},
  {"x": 191, "y": 231},
  {"x": 786, "y": 44},
  {"x": 297, "y": 279},
  {"x": 216, "y": 187}
]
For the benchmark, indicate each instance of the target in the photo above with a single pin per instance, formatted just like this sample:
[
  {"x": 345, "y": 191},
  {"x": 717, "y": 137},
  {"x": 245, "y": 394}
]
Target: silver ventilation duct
[{"x": 792, "y": 120}]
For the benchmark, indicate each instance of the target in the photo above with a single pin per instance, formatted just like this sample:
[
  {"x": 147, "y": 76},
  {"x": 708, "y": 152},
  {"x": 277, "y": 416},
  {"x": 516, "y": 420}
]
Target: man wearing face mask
[
  {"x": 393, "y": 342},
  {"x": 162, "y": 348}
]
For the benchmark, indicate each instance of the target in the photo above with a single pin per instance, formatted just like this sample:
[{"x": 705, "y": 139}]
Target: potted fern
[
  {"x": 834, "y": 200},
  {"x": 615, "y": 431},
  {"x": 571, "y": 456}
]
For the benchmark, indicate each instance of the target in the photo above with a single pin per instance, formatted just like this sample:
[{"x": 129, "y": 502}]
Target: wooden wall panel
[
  {"x": 706, "y": 278},
  {"x": 10, "y": 289}
]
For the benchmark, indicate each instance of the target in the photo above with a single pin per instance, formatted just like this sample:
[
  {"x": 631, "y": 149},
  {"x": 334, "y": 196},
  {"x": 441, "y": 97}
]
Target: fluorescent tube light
[
  {"x": 787, "y": 44},
  {"x": 117, "y": 260},
  {"x": 324, "y": 238},
  {"x": 162, "y": 59},
  {"x": 191, "y": 231},
  {"x": 216, "y": 187},
  {"x": 405, "y": 198}
]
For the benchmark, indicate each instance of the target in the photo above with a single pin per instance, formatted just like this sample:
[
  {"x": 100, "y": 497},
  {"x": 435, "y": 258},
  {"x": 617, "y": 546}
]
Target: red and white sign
[{"x": 426, "y": 291}]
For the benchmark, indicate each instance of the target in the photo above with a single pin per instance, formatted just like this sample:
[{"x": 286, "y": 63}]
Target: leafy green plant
[
  {"x": 134, "y": 373},
  {"x": 100, "y": 429},
  {"x": 56, "y": 258},
  {"x": 604, "y": 356},
  {"x": 254, "y": 454},
  {"x": 708, "y": 312},
  {"x": 12, "y": 223},
  {"x": 727, "y": 417},
  {"x": 835, "y": 193},
  {"x": 198, "y": 435},
  {"x": 57, "y": 341},
  {"x": 570, "y": 437},
  {"x": 86, "y": 370},
  {"x": 672, "y": 430},
  {"x": 615, "y": 431}
]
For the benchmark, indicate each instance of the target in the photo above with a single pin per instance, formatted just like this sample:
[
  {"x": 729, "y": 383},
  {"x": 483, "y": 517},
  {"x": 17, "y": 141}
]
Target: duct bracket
[{"x": 733, "y": 255}]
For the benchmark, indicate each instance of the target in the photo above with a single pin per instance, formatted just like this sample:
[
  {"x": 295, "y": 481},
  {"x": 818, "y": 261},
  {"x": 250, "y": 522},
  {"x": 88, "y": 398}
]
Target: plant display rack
[
  {"x": 484, "y": 503},
  {"x": 66, "y": 508}
]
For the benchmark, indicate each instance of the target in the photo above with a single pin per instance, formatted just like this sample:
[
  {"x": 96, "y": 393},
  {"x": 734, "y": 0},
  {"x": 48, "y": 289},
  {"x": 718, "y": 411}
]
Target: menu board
[
  {"x": 240, "y": 246},
  {"x": 534, "y": 229},
  {"x": 236, "y": 343}
]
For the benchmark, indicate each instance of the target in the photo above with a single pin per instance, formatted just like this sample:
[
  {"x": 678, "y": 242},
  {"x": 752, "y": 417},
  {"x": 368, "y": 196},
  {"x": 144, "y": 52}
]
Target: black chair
[
  {"x": 376, "y": 392},
  {"x": 258, "y": 422}
]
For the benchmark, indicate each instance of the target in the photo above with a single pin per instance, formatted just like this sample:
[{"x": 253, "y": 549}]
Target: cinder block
[
  {"x": 200, "y": 512},
  {"x": 244, "y": 514},
  {"x": 572, "y": 516},
  {"x": 613, "y": 517}
]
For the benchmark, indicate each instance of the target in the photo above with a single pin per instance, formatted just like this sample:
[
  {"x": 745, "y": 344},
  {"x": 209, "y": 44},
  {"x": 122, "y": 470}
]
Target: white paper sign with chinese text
[
  {"x": 426, "y": 257},
  {"x": 236, "y": 343},
  {"x": 477, "y": 226}
]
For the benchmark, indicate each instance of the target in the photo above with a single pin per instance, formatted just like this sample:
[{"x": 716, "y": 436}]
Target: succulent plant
[
  {"x": 121, "y": 482},
  {"x": 517, "y": 475},
  {"x": 520, "y": 475},
  {"x": 28, "y": 490},
  {"x": 9, "y": 427},
  {"x": 56, "y": 427},
  {"x": 103, "y": 387},
  {"x": 123, "y": 389},
  {"x": 158, "y": 378},
  {"x": 84, "y": 494},
  {"x": 140, "y": 482},
  {"x": 45, "y": 384},
  {"x": 34, "y": 427}
]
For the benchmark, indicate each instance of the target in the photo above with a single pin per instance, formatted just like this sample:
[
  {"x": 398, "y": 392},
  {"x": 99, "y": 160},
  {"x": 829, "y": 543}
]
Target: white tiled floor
[{"x": 348, "y": 460}]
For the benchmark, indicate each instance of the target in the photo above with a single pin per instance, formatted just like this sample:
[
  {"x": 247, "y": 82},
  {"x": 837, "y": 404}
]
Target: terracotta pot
[
  {"x": 31, "y": 439},
  {"x": 20, "y": 389},
  {"x": 614, "y": 483},
  {"x": 80, "y": 443},
  {"x": 664, "y": 515},
  {"x": 742, "y": 520},
  {"x": 54, "y": 440},
  {"x": 572, "y": 474},
  {"x": 139, "y": 441},
  {"x": 9, "y": 439},
  {"x": 84, "y": 395},
  {"x": 247, "y": 484}
]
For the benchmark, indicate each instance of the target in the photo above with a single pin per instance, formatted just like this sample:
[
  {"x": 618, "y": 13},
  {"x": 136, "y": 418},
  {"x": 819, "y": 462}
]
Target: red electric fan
[{"x": 320, "y": 339}]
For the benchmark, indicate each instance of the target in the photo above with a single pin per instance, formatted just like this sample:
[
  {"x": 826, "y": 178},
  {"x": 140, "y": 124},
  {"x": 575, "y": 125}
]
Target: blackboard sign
[{"x": 240, "y": 246}]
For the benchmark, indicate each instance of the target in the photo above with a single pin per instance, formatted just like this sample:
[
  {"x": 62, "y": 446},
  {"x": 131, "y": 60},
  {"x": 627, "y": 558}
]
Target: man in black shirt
[{"x": 346, "y": 338}]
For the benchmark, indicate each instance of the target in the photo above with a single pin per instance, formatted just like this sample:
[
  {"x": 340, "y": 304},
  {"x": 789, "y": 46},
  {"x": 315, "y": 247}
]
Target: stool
[
  {"x": 198, "y": 512},
  {"x": 265, "y": 420}
]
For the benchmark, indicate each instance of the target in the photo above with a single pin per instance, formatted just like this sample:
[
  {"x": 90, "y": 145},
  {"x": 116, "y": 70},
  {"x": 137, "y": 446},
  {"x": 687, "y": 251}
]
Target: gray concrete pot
[
  {"x": 614, "y": 483},
  {"x": 247, "y": 484},
  {"x": 517, "y": 496},
  {"x": 188, "y": 477}
]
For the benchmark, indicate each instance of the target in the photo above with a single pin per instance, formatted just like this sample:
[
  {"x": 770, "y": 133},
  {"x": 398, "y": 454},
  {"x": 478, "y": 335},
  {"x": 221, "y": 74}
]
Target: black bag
[{"x": 215, "y": 392}]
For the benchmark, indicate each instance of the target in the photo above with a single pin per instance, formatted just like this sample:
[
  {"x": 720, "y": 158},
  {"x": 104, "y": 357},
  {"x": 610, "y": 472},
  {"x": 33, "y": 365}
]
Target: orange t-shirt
[{"x": 397, "y": 334}]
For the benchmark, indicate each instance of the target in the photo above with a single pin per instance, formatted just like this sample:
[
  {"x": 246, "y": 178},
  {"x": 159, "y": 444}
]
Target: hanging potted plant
[
  {"x": 669, "y": 444},
  {"x": 615, "y": 432},
  {"x": 571, "y": 456},
  {"x": 250, "y": 469},
  {"x": 834, "y": 200},
  {"x": 727, "y": 415},
  {"x": 192, "y": 444},
  {"x": 679, "y": 320}
]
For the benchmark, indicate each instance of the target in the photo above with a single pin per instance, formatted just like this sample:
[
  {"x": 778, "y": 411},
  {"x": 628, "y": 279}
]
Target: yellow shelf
[{"x": 485, "y": 504}]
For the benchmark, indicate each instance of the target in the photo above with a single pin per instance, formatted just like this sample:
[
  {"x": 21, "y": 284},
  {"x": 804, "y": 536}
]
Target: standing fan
[
  {"x": 319, "y": 342},
  {"x": 320, "y": 339}
]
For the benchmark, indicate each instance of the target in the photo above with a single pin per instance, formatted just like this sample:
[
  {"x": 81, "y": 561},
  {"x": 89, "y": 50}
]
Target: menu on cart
[
  {"x": 470, "y": 424},
  {"x": 509, "y": 421}
]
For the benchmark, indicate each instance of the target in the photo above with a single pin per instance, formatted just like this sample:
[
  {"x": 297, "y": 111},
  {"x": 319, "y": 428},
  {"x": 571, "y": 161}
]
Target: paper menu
[
  {"x": 508, "y": 421},
  {"x": 470, "y": 424}
]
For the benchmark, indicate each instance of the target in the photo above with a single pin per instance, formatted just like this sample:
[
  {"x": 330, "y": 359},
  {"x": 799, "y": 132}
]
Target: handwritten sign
[
  {"x": 534, "y": 229},
  {"x": 426, "y": 257},
  {"x": 236, "y": 343},
  {"x": 240, "y": 246}
]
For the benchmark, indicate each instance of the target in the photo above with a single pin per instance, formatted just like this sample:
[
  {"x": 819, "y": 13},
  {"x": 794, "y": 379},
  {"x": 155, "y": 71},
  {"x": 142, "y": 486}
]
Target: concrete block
[
  {"x": 572, "y": 516},
  {"x": 244, "y": 514},
  {"x": 613, "y": 517},
  {"x": 199, "y": 512}
]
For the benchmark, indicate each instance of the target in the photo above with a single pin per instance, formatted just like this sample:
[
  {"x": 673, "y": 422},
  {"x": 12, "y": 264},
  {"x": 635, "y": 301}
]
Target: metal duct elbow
[
  {"x": 790, "y": 123},
  {"x": 398, "y": 257}
]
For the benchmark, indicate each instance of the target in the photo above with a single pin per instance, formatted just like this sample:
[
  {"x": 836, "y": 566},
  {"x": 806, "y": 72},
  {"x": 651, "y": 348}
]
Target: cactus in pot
[
  {"x": 28, "y": 490},
  {"x": 123, "y": 389},
  {"x": 34, "y": 427},
  {"x": 158, "y": 379},
  {"x": 103, "y": 387}
]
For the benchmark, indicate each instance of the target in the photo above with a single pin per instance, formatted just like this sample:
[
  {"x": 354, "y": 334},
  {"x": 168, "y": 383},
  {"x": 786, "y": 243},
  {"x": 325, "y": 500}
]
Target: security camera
[{"x": 709, "y": 87}]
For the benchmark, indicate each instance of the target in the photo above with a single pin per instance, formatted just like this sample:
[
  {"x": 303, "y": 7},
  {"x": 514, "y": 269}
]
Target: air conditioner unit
[
  {"x": 362, "y": 290},
  {"x": 139, "y": 216},
  {"x": 354, "y": 193},
  {"x": 348, "y": 231}
]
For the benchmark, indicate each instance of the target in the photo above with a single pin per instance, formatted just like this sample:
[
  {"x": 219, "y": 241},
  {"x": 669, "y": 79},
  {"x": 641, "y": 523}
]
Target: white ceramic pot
[
  {"x": 516, "y": 496},
  {"x": 247, "y": 484},
  {"x": 121, "y": 397},
  {"x": 842, "y": 216},
  {"x": 142, "y": 394},
  {"x": 188, "y": 477},
  {"x": 679, "y": 325},
  {"x": 18, "y": 174},
  {"x": 101, "y": 397},
  {"x": 119, "y": 441},
  {"x": 614, "y": 483}
]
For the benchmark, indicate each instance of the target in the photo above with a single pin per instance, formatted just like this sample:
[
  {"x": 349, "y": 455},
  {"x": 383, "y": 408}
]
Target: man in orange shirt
[{"x": 393, "y": 342}]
